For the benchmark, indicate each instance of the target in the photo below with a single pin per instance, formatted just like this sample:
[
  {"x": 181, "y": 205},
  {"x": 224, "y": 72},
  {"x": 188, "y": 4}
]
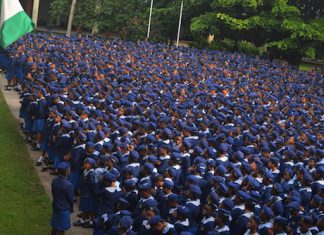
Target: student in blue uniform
[
  {"x": 77, "y": 158},
  {"x": 182, "y": 224},
  {"x": 193, "y": 204},
  {"x": 40, "y": 117},
  {"x": 124, "y": 227},
  {"x": 207, "y": 223},
  {"x": 108, "y": 195},
  {"x": 159, "y": 226},
  {"x": 221, "y": 222},
  {"x": 62, "y": 192},
  {"x": 88, "y": 190},
  {"x": 240, "y": 128}
]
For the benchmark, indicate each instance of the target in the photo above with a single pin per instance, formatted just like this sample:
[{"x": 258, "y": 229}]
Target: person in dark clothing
[{"x": 62, "y": 191}]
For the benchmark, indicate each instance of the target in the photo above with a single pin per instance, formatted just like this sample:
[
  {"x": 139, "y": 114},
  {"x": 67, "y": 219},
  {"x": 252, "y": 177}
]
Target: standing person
[
  {"x": 62, "y": 191},
  {"x": 88, "y": 190}
]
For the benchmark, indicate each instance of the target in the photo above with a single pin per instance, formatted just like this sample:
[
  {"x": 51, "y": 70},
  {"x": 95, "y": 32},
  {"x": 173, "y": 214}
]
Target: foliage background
[{"x": 285, "y": 29}]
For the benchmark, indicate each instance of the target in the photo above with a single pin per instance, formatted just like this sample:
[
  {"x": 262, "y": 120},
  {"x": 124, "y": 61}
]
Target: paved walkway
[{"x": 12, "y": 99}]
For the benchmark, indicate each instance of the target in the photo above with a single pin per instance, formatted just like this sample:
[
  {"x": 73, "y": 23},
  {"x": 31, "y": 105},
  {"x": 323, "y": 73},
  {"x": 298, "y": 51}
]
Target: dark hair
[{"x": 62, "y": 172}]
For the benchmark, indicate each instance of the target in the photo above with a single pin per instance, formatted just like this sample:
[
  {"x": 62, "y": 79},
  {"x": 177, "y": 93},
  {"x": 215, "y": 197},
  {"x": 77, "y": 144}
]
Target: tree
[
  {"x": 272, "y": 23},
  {"x": 166, "y": 16}
]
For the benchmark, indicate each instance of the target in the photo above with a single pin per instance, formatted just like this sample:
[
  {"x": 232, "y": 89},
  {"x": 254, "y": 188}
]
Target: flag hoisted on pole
[
  {"x": 149, "y": 23},
  {"x": 179, "y": 27},
  {"x": 14, "y": 22}
]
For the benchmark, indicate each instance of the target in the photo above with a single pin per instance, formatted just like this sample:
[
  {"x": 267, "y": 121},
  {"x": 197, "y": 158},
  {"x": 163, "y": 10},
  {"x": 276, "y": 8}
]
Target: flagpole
[
  {"x": 69, "y": 27},
  {"x": 179, "y": 27},
  {"x": 35, "y": 12},
  {"x": 149, "y": 23}
]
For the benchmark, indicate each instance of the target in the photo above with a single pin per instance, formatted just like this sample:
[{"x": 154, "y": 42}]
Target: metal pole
[
  {"x": 149, "y": 23},
  {"x": 179, "y": 28},
  {"x": 69, "y": 27}
]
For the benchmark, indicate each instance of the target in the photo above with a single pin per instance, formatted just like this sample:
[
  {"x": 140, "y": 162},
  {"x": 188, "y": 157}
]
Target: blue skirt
[
  {"x": 39, "y": 125},
  {"x": 29, "y": 125},
  {"x": 61, "y": 220},
  {"x": 44, "y": 145},
  {"x": 22, "y": 114},
  {"x": 75, "y": 179},
  {"x": 88, "y": 204}
]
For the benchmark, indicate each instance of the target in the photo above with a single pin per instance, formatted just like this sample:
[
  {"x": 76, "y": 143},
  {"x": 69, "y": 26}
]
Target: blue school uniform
[
  {"x": 62, "y": 192},
  {"x": 108, "y": 198},
  {"x": 77, "y": 158},
  {"x": 88, "y": 189}
]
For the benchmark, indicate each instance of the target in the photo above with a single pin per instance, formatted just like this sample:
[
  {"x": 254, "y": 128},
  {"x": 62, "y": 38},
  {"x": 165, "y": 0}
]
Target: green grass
[
  {"x": 305, "y": 67},
  {"x": 24, "y": 205}
]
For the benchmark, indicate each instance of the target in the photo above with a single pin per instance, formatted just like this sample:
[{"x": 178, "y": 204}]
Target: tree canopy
[{"x": 281, "y": 28}]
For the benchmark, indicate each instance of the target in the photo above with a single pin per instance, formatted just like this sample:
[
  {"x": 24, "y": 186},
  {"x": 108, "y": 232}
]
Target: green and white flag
[{"x": 14, "y": 22}]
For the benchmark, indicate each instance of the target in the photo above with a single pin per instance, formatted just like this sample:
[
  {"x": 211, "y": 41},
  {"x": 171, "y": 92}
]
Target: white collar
[
  {"x": 166, "y": 141},
  {"x": 266, "y": 225},
  {"x": 80, "y": 146},
  {"x": 145, "y": 199},
  {"x": 248, "y": 214},
  {"x": 134, "y": 164},
  {"x": 196, "y": 203},
  {"x": 167, "y": 228},
  {"x": 223, "y": 158},
  {"x": 207, "y": 220},
  {"x": 299, "y": 232},
  {"x": 184, "y": 223},
  {"x": 166, "y": 157},
  {"x": 177, "y": 167},
  {"x": 86, "y": 172},
  {"x": 146, "y": 224},
  {"x": 112, "y": 189},
  {"x": 144, "y": 178},
  {"x": 239, "y": 207},
  {"x": 192, "y": 137},
  {"x": 171, "y": 210},
  {"x": 223, "y": 229}
]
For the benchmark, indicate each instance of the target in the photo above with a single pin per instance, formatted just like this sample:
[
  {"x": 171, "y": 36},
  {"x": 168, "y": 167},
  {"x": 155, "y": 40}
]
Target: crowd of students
[{"x": 165, "y": 140}]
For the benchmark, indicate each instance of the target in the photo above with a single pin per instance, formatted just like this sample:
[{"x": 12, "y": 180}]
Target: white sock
[{"x": 40, "y": 159}]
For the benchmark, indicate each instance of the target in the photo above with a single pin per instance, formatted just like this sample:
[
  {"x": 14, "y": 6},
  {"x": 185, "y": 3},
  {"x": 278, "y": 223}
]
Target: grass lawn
[
  {"x": 24, "y": 205},
  {"x": 305, "y": 67}
]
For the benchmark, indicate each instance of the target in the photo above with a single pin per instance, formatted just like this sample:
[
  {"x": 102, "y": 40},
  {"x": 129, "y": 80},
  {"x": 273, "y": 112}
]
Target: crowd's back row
[{"x": 172, "y": 140}]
